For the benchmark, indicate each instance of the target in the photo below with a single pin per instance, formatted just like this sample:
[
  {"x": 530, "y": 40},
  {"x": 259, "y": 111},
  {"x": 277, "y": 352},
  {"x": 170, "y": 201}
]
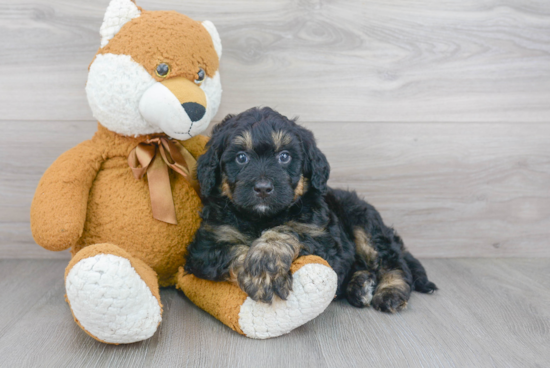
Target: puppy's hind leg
[
  {"x": 392, "y": 292},
  {"x": 395, "y": 279},
  {"x": 361, "y": 286},
  {"x": 420, "y": 278},
  {"x": 386, "y": 280}
]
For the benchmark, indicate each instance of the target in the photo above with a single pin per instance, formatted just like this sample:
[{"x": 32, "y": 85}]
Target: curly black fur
[{"x": 261, "y": 212}]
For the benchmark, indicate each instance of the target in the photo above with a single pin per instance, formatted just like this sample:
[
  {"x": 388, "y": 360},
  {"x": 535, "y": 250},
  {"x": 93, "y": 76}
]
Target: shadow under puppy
[{"x": 266, "y": 202}]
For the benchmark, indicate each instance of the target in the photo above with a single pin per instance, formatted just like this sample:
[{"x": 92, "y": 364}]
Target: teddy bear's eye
[
  {"x": 200, "y": 76},
  {"x": 162, "y": 70}
]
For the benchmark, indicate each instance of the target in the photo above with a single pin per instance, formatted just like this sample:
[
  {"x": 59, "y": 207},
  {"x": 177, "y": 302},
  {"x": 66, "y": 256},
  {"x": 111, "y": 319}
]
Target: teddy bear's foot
[
  {"x": 113, "y": 296},
  {"x": 314, "y": 287}
]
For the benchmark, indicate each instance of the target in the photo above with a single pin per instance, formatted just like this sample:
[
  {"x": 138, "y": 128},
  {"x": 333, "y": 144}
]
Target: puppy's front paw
[
  {"x": 262, "y": 287},
  {"x": 266, "y": 268}
]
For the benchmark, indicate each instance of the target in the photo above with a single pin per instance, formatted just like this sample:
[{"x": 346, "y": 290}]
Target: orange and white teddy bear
[{"x": 126, "y": 201}]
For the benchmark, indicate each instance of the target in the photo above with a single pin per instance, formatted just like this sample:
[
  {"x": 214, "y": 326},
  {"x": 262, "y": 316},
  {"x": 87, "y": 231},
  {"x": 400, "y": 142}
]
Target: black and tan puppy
[{"x": 266, "y": 202}]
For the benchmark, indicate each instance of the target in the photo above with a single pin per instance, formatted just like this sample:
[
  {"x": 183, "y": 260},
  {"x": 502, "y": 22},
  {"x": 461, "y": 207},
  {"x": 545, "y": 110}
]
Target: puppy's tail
[{"x": 420, "y": 278}]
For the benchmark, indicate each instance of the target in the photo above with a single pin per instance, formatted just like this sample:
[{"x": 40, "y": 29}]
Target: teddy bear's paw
[
  {"x": 314, "y": 287},
  {"x": 110, "y": 301}
]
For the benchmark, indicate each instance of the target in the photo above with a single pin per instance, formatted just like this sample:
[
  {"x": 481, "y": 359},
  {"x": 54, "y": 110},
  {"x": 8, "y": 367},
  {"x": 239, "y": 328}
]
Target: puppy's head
[{"x": 262, "y": 161}]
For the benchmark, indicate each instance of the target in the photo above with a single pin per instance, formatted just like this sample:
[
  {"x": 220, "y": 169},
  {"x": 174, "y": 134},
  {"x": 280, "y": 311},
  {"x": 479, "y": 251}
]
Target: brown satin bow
[{"x": 155, "y": 156}]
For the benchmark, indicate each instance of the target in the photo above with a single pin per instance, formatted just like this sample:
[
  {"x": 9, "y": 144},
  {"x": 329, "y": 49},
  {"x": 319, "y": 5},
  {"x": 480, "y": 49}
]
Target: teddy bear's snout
[{"x": 177, "y": 106}]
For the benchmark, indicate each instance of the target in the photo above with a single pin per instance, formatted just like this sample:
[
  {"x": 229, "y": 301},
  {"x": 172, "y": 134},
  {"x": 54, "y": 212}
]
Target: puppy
[{"x": 266, "y": 202}]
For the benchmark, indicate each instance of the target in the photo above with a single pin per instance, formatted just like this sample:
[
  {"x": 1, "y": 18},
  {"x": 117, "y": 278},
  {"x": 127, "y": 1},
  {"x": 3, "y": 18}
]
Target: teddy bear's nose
[{"x": 194, "y": 110}]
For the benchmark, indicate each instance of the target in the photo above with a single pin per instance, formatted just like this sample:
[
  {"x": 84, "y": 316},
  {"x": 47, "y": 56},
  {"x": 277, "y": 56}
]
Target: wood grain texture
[
  {"x": 337, "y": 60},
  {"x": 488, "y": 313},
  {"x": 436, "y": 111},
  {"x": 451, "y": 190}
]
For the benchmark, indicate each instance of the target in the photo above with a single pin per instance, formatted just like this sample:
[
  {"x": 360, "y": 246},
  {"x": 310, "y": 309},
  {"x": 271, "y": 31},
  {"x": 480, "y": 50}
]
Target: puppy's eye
[
  {"x": 200, "y": 76},
  {"x": 242, "y": 158},
  {"x": 284, "y": 157},
  {"x": 162, "y": 70}
]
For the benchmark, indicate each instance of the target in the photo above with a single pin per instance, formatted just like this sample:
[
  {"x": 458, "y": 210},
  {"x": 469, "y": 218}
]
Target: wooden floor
[
  {"x": 488, "y": 313},
  {"x": 437, "y": 111}
]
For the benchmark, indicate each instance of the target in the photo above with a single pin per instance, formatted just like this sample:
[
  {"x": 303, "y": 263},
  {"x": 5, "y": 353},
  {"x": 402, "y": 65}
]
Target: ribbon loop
[{"x": 154, "y": 157}]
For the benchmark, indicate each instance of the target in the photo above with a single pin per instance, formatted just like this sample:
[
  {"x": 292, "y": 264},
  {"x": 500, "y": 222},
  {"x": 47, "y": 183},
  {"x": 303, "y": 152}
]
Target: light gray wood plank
[
  {"x": 488, "y": 313},
  {"x": 27, "y": 149},
  {"x": 16, "y": 242},
  {"x": 451, "y": 190},
  {"x": 21, "y": 283},
  {"x": 344, "y": 60}
]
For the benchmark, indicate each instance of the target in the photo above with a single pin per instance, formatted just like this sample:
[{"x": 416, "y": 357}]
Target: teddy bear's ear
[
  {"x": 118, "y": 13},
  {"x": 211, "y": 28}
]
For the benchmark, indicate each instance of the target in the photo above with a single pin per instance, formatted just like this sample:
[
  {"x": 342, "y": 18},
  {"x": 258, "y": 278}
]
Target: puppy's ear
[
  {"x": 316, "y": 166},
  {"x": 208, "y": 167}
]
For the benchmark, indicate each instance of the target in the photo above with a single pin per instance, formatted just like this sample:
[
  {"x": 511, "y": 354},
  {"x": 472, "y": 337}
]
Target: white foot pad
[
  {"x": 111, "y": 301},
  {"x": 314, "y": 287}
]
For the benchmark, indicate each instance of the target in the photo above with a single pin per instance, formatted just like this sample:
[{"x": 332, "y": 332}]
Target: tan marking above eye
[
  {"x": 244, "y": 140},
  {"x": 280, "y": 139}
]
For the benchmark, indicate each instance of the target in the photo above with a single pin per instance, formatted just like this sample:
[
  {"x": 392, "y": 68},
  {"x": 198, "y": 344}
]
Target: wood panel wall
[{"x": 436, "y": 111}]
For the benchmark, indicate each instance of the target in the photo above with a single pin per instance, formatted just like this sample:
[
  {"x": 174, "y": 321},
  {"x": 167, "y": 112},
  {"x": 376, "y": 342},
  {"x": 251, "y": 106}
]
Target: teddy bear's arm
[
  {"x": 58, "y": 209},
  {"x": 196, "y": 145}
]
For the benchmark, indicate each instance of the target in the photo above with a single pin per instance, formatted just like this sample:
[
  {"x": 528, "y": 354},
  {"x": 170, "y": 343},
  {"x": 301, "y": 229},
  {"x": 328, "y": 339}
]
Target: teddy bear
[{"x": 127, "y": 203}]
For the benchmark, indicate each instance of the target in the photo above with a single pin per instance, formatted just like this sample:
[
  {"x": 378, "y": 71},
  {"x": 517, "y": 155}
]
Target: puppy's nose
[
  {"x": 263, "y": 188},
  {"x": 194, "y": 110}
]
